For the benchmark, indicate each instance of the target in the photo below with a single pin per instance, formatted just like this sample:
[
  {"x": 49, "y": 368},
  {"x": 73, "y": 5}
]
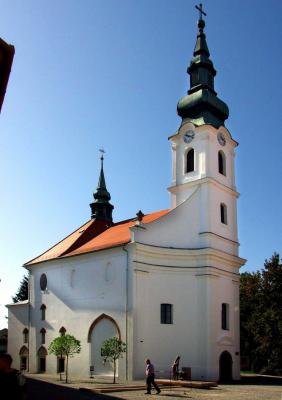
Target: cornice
[
  {"x": 205, "y": 271},
  {"x": 219, "y": 236},
  {"x": 201, "y": 181},
  {"x": 183, "y": 257},
  {"x": 206, "y": 127}
]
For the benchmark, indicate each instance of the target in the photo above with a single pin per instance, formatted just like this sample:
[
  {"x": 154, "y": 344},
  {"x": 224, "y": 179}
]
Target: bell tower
[
  {"x": 101, "y": 208},
  {"x": 203, "y": 151}
]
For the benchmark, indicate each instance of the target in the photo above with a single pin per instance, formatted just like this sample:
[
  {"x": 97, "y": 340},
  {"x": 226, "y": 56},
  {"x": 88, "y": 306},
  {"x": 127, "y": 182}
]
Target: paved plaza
[
  {"x": 222, "y": 392},
  {"x": 252, "y": 388}
]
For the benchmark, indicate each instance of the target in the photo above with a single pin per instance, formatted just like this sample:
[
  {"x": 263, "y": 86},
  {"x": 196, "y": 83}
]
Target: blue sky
[{"x": 109, "y": 73}]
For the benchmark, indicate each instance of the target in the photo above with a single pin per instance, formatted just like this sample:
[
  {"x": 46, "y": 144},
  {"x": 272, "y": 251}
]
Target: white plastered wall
[
  {"x": 17, "y": 322},
  {"x": 196, "y": 293},
  {"x": 79, "y": 290}
]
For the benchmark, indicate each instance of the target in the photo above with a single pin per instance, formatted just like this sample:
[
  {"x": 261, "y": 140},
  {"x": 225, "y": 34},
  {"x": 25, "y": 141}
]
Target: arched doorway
[
  {"x": 225, "y": 367},
  {"x": 41, "y": 356},
  {"x": 104, "y": 327},
  {"x": 23, "y": 358}
]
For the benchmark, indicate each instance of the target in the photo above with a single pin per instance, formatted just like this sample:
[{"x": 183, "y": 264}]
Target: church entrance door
[
  {"x": 23, "y": 358},
  {"x": 225, "y": 367},
  {"x": 42, "y": 354},
  {"x": 103, "y": 330}
]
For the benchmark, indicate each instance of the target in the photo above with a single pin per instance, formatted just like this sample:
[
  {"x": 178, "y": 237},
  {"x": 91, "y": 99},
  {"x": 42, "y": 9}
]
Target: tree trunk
[
  {"x": 67, "y": 368},
  {"x": 114, "y": 371},
  {"x": 60, "y": 368}
]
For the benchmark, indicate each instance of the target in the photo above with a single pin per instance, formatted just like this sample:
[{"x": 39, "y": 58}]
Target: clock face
[
  {"x": 221, "y": 139},
  {"x": 188, "y": 136}
]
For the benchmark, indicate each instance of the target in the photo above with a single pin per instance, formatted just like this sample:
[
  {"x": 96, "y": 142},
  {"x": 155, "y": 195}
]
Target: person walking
[{"x": 150, "y": 377}]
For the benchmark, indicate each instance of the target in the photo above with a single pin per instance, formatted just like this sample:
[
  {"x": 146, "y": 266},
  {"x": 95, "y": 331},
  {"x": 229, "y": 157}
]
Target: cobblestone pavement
[
  {"x": 222, "y": 392},
  {"x": 254, "y": 388}
]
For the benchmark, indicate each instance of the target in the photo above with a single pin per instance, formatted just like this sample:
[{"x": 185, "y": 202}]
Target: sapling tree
[
  {"x": 65, "y": 346},
  {"x": 112, "y": 350}
]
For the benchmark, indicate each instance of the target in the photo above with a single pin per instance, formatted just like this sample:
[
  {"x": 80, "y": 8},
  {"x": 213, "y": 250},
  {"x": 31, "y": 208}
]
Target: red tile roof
[{"x": 93, "y": 236}]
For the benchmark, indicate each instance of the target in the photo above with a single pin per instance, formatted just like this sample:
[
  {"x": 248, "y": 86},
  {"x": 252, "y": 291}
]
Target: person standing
[
  {"x": 150, "y": 377},
  {"x": 175, "y": 368},
  {"x": 12, "y": 382}
]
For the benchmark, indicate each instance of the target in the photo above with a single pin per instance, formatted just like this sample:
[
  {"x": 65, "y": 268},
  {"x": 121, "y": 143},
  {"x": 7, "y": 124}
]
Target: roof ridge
[
  {"x": 135, "y": 218},
  {"x": 56, "y": 244},
  {"x": 88, "y": 234},
  {"x": 94, "y": 230}
]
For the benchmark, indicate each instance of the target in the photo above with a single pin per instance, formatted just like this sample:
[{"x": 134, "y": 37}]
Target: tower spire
[
  {"x": 101, "y": 209},
  {"x": 201, "y": 105}
]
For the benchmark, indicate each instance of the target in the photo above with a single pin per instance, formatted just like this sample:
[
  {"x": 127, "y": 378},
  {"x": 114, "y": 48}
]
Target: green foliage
[
  {"x": 112, "y": 350},
  {"x": 67, "y": 346},
  {"x": 261, "y": 317},
  {"x": 22, "y": 293}
]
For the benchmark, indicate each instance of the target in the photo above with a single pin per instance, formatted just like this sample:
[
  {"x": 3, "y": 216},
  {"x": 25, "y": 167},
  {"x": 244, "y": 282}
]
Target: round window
[{"x": 43, "y": 281}]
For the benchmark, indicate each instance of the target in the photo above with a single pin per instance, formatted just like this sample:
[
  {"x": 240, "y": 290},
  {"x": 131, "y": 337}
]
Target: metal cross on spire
[
  {"x": 201, "y": 11},
  {"x": 102, "y": 151}
]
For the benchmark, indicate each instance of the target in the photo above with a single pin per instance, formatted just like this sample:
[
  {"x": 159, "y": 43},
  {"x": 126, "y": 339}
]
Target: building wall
[
  {"x": 196, "y": 294},
  {"x": 206, "y": 148},
  {"x": 204, "y": 189},
  {"x": 195, "y": 223},
  {"x": 79, "y": 290},
  {"x": 224, "y": 289},
  {"x": 17, "y": 322},
  {"x": 163, "y": 342}
]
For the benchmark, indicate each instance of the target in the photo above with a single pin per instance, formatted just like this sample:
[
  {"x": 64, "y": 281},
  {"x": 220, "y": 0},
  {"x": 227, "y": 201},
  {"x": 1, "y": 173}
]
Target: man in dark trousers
[
  {"x": 150, "y": 377},
  {"x": 12, "y": 382}
]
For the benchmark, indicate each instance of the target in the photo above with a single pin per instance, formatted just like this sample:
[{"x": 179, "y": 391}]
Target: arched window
[
  {"x": 25, "y": 335},
  {"x": 221, "y": 163},
  {"x": 43, "y": 312},
  {"x": 42, "y": 354},
  {"x": 43, "y": 335},
  {"x": 23, "y": 358},
  {"x": 62, "y": 331},
  {"x": 190, "y": 160},
  {"x": 223, "y": 213}
]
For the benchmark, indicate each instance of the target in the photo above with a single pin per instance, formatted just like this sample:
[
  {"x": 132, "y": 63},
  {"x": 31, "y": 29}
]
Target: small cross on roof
[
  {"x": 102, "y": 151},
  {"x": 201, "y": 11}
]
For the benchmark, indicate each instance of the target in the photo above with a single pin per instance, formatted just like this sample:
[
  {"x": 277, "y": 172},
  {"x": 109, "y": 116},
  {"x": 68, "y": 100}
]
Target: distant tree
[
  {"x": 67, "y": 346},
  {"x": 261, "y": 317},
  {"x": 112, "y": 350},
  {"x": 250, "y": 314},
  {"x": 22, "y": 293},
  {"x": 269, "y": 332}
]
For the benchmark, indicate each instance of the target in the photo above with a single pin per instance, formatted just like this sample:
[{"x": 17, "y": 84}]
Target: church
[{"x": 166, "y": 283}]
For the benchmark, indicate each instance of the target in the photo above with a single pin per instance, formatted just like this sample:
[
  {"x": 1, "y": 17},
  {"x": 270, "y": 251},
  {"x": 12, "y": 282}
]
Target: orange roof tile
[
  {"x": 92, "y": 236},
  {"x": 59, "y": 248}
]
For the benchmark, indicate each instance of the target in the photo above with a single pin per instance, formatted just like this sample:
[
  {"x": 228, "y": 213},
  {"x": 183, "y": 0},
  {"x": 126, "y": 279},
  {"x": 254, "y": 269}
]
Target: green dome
[{"x": 201, "y": 105}]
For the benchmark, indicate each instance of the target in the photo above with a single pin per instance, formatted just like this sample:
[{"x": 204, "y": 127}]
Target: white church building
[{"x": 167, "y": 283}]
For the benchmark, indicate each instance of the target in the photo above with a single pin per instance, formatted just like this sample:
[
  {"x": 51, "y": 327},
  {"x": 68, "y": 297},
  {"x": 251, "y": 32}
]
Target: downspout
[
  {"x": 29, "y": 323},
  {"x": 126, "y": 311}
]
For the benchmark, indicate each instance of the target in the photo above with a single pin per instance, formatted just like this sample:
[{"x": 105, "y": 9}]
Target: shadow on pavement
[
  {"x": 38, "y": 389},
  {"x": 260, "y": 380}
]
